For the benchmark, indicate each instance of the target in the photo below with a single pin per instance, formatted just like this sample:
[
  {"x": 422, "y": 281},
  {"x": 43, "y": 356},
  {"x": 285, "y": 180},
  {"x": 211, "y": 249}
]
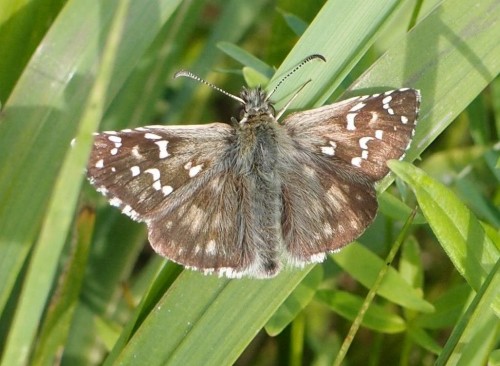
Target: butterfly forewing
[
  {"x": 365, "y": 132},
  {"x": 148, "y": 170}
]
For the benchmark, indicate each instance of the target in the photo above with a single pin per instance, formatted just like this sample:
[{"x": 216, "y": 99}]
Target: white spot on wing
[
  {"x": 135, "y": 171},
  {"x": 167, "y": 190},
  {"x": 327, "y": 229},
  {"x": 135, "y": 152},
  {"x": 114, "y": 138},
  {"x": 374, "y": 117},
  {"x": 357, "y": 107},
  {"x": 387, "y": 100},
  {"x": 328, "y": 150},
  {"x": 152, "y": 136},
  {"x": 363, "y": 142},
  {"x": 309, "y": 171},
  {"x": 195, "y": 170},
  {"x": 103, "y": 190},
  {"x": 162, "y": 146},
  {"x": 99, "y": 164},
  {"x": 379, "y": 134},
  {"x": 157, "y": 185},
  {"x": 127, "y": 210},
  {"x": 404, "y": 119},
  {"x": 350, "y": 121},
  {"x": 115, "y": 202},
  {"x": 154, "y": 172},
  {"x": 317, "y": 258},
  {"x": 114, "y": 151},
  {"x": 356, "y": 161}
]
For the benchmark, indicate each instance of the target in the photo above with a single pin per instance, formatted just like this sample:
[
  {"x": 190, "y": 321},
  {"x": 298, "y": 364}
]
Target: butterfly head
[{"x": 255, "y": 103}]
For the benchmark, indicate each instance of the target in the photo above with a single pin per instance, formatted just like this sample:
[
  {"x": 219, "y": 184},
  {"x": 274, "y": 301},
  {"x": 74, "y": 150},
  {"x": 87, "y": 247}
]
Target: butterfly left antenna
[{"x": 188, "y": 74}]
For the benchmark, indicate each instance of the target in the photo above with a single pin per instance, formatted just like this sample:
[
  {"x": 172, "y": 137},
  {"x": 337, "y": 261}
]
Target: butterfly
[{"x": 249, "y": 197}]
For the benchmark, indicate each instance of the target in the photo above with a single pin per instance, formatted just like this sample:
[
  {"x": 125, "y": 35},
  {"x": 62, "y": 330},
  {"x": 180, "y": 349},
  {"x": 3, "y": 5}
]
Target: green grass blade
[
  {"x": 42, "y": 268},
  {"x": 245, "y": 58},
  {"x": 364, "y": 266},
  {"x": 237, "y": 17},
  {"x": 297, "y": 25},
  {"x": 22, "y": 25},
  {"x": 447, "y": 61},
  {"x": 376, "y": 317},
  {"x": 449, "y": 307},
  {"x": 461, "y": 235},
  {"x": 296, "y": 302},
  {"x": 374, "y": 288},
  {"x": 40, "y": 117},
  {"x": 341, "y": 32},
  {"x": 56, "y": 324},
  {"x": 210, "y": 313},
  {"x": 476, "y": 334},
  {"x": 155, "y": 68}
]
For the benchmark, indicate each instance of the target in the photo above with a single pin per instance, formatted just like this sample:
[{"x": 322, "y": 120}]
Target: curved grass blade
[
  {"x": 459, "y": 232},
  {"x": 43, "y": 265}
]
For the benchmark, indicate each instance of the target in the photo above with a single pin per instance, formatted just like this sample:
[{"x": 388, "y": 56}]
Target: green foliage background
[{"x": 78, "y": 285}]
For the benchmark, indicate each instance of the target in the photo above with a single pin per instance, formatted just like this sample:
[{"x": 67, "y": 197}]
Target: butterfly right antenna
[{"x": 299, "y": 65}]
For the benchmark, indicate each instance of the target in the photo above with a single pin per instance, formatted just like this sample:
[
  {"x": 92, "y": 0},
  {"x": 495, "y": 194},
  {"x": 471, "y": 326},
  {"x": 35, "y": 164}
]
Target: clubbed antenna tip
[{"x": 299, "y": 65}]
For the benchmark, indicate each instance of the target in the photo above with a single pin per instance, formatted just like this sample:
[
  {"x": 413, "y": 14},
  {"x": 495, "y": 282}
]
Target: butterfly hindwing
[
  {"x": 211, "y": 230},
  {"x": 325, "y": 206}
]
